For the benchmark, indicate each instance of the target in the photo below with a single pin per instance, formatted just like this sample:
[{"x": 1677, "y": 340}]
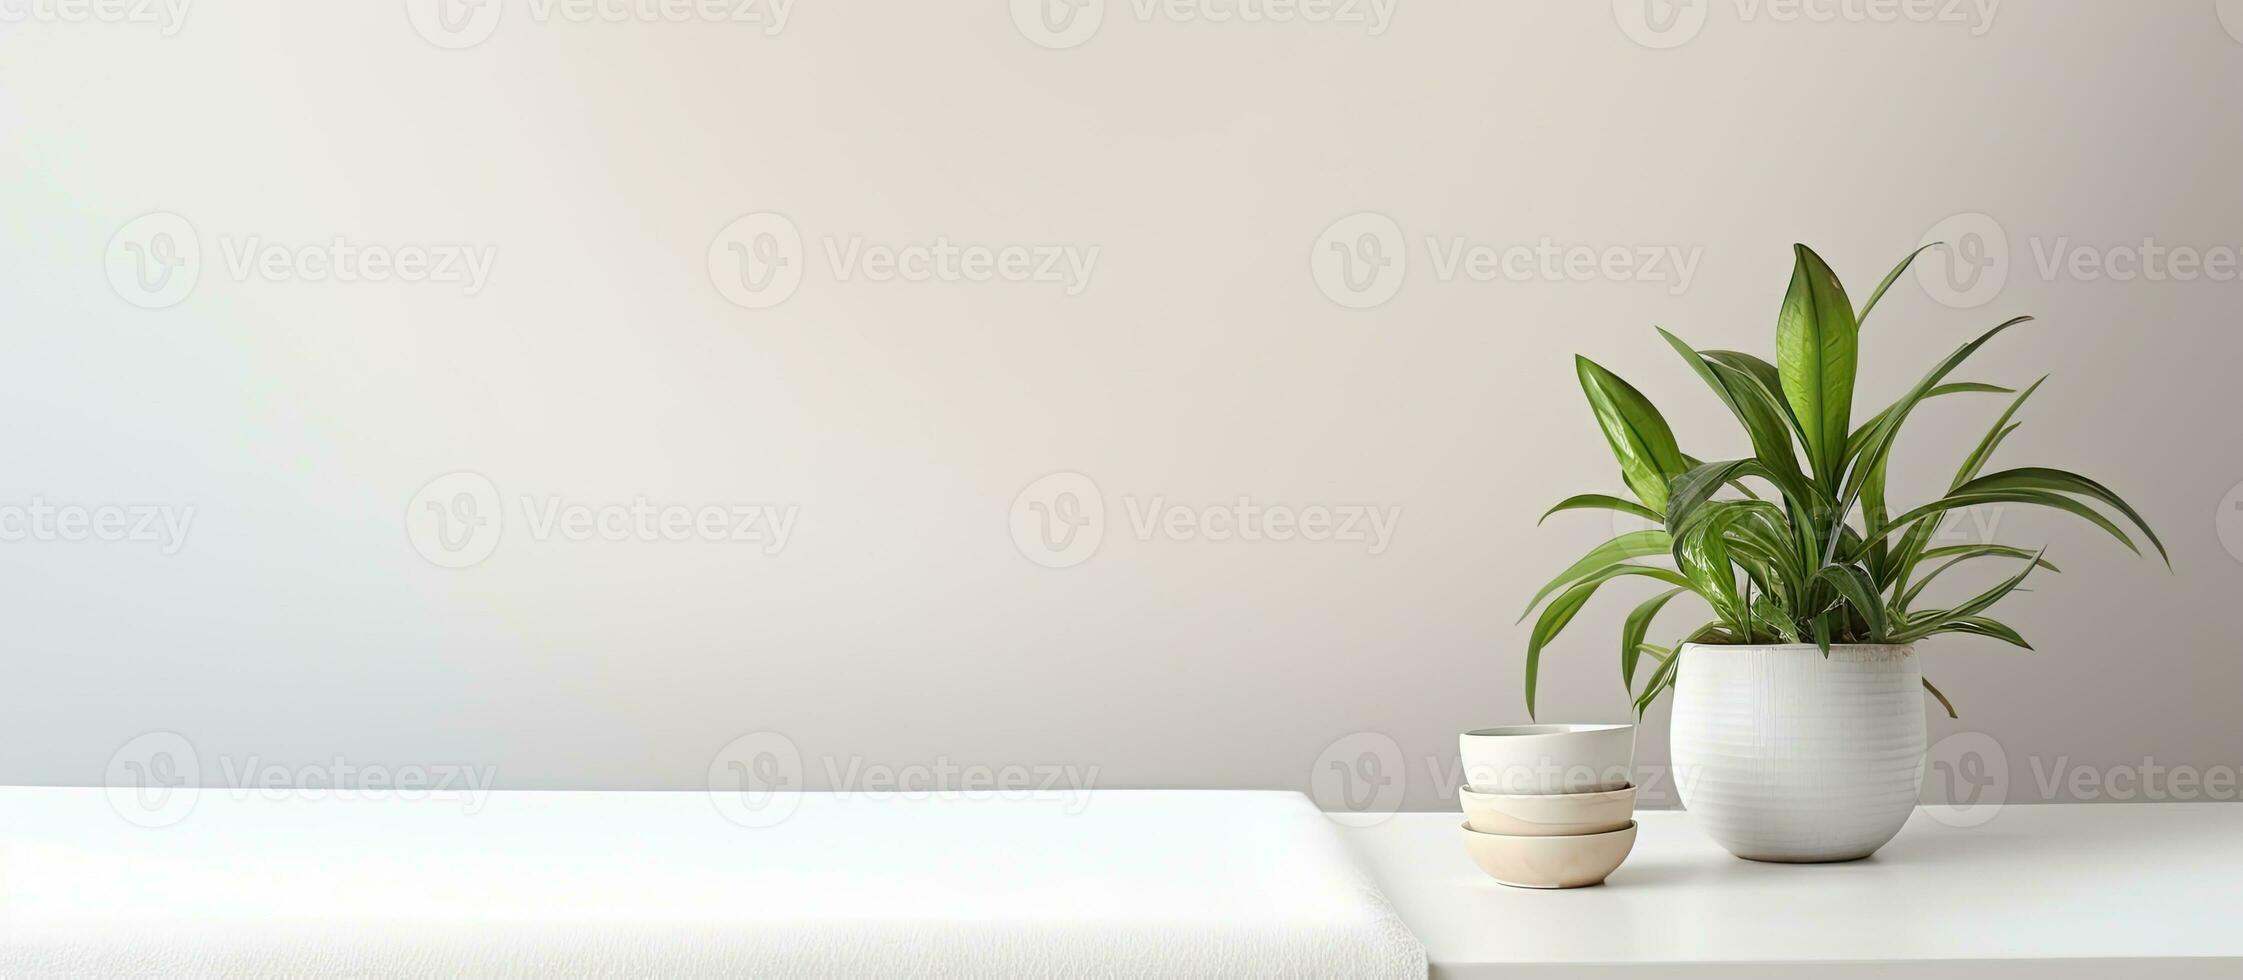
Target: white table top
[
  {"x": 255, "y": 884},
  {"x": 2139, "y": 891}
]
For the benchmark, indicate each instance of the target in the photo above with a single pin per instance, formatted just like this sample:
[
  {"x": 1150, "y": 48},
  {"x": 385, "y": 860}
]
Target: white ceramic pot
[{"x": 1783, "y": 755}]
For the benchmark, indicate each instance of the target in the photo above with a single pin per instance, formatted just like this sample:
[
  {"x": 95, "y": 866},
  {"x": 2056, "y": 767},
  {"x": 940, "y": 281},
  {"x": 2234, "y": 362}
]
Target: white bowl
[
  {"x": 1548, "y": 815},
  {"x": 1545, "y": 759},
  {"x": 1550, "y": 862}
]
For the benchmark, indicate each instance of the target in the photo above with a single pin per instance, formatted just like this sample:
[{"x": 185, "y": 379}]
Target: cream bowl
[
  {"x": 1548, "y": 815},
  {"x": 1545, "y": 759},
  {"x": 1550, "y": 862}
]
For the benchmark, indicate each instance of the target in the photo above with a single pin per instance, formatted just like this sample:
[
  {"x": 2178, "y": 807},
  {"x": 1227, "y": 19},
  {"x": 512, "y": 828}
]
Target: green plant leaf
[
  {"x": 1985, "y": 551},
  {"x": 1929, "y": 623},
  {"x": 1766, "y": 421},
  {"x": 1568, "y": 603},
  {"x": 1861, "y": 433},
  {"x": 1660, "y": 680},
  {"x": 1879, "y": 443},
  {"x": 2041, "y": 498},
  {"x": 1890, "y": 278},
  {"x": 2001, "y": 429},
  {"x": 1963, "y": 553},
  {"x": 1634, "y": 544},
  {"x": 1816, "y": 352},
  {"x": 1857, "y": 589},
  {"x": 1943, "y": 702},
  {"x": 1900, "y": 566},
  {"x": 1601, "y": 501},
  {"x": 1703, "y": 557},
  {"x": 2061, "y": 481},
  {"x": 1632, "y": 632},
  {"x": 1766, "y": 377},
  {"x": 1981, "y": 626},
  {"x": 1637, "y": 433},
  {"x": 1693, "y": 489}
]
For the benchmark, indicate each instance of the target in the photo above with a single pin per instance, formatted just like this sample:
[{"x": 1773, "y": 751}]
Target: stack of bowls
[{"x": 1549, "y": 806}]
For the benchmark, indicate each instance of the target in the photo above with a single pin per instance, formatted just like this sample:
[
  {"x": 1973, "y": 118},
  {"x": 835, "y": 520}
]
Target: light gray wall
[{"x": 1203, "y": 362}]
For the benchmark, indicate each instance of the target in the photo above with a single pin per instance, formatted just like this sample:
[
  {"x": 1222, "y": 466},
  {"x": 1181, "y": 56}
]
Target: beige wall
[{"x": 1201, "y": 350}]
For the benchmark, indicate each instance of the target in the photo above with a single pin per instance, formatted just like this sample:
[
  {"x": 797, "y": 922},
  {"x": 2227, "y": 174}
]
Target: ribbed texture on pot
[{"x": 1782, "y": 755}]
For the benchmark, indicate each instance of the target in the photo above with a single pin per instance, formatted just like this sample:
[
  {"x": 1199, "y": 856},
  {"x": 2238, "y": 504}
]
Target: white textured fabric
[{"x": 1125, "y": 883}]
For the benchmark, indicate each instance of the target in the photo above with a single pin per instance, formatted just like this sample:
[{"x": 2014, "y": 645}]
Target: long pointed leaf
[
  {"x": 1931, "y": 622},
  {"x": 1890, "y": 278},
  {"x": 1962, "y": 554},
  {"x": 2000, "y": 430},
  {"x": 1637, "y": 433},
  {"x": 1943, "y": 702},
  {"x": 1634, "y": 544},
  {"x": 2061, "y": 481},
  {"x": 1855, "y": 586},
  {"x": 1981, "y": 626},
  {"x": 1632, "y": 632},
  {"x": 1601, "y": 501},
  {"x": 1817, "y": 341},
  {"x": 2041, "y": 498},
  {"x": 1562, "y": 610}
]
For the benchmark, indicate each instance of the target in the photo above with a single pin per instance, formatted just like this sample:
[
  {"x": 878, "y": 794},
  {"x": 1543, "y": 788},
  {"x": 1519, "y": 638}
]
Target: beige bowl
[
  {"x": 1566, "y": 815},
  {"x": 1550, "y": 862}
]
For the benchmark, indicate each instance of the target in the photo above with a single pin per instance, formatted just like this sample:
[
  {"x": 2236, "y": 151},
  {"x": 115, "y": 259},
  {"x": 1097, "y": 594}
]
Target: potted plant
[{"x": 1798, "y": 724}]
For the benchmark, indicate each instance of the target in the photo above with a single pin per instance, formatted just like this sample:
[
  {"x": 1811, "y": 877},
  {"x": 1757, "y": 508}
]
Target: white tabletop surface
[
  {"x": 1110, "y": 883},
  {"x": 2133, "y": 891}
]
